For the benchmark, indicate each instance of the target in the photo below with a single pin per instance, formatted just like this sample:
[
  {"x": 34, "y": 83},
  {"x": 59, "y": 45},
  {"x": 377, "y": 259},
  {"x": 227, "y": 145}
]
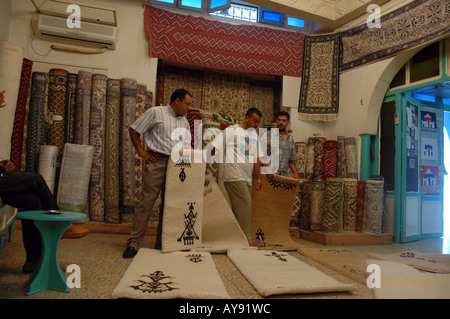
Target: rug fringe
[{"x": 317, "y": 117}]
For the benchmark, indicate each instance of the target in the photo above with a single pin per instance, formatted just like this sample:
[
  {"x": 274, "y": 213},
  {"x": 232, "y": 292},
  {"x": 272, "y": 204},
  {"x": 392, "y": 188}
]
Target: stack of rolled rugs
[{"x": 330, "y": 196}]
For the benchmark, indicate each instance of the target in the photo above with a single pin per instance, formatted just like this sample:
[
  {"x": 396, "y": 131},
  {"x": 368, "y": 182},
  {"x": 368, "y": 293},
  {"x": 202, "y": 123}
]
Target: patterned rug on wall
[
  {"x": 156, "y": 275},
  {"x": 271, "y": 212},
  {"x": 199, "y": 41},
  {"x": 416, "y": 23},
  {"x": 319, "y": 92}
]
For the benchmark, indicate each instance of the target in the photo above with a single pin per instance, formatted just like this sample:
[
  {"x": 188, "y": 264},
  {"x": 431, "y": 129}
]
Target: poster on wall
[
  {"x": 412, "y": 147},
  {"x": 429, "y": 148},
  {"x": 430, "y": 182}
]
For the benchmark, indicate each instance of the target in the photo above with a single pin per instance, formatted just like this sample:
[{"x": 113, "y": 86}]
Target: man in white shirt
[
  {"x": 154, "y": 128},
  {"x": 240, "y": 160}
]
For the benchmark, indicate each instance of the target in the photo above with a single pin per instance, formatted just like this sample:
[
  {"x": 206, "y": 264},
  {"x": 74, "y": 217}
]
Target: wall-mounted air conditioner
[{"x": 55, "y": 28}]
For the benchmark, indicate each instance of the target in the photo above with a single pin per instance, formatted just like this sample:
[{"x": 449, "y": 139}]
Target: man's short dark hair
[
  {"x": 252, "y": 111},
  {"x": 179, "y": 94},
  {"x": 284, "y": 113}
]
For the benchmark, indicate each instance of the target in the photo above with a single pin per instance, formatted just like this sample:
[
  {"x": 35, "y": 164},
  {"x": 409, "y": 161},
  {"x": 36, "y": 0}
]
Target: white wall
[
  {"x": 129, "y": 59},
  {"x": 5, "y": 19}
]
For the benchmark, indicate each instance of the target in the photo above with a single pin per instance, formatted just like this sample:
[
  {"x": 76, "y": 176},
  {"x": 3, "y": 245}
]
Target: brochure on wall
[{"x": 412, "y": 147}]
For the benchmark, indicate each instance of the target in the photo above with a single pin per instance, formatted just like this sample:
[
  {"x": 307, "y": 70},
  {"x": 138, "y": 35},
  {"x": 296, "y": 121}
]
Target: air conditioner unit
[{"x": 55, "y": 28}]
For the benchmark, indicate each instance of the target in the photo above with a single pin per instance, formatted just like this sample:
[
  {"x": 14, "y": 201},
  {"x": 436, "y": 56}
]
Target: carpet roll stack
[{"x": 11, "y": 60}]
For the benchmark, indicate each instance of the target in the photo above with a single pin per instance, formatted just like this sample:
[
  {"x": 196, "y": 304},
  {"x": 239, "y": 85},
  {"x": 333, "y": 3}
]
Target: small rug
[
  {"x": 276, "y": 272},
  {"x": 439, "y": 263},
  {"x": 373, "y": 207},
  {"x": 220, "y": 228},
  {"x": 97, "y": 140},
  {"x": 300, "y": 162},
  {"x": 334, "y": 196},
  {"x": 112, "y": 156},
  {"x": 74, "y": 177},
  {"x": 360, "y": 195},
  {"x": 156, "y": 275},
  {"x": 329, "y": 160},
  {"x": 36, "y": 120},
  {"x": 19, "y": 128},
  {"x": 400, "y": 281},
  {"x": 83, "y": 107},
  {"x": 318, "y": 205},
  {"x": 183, "y": 203},
  {"x": 345, "y": 261},
  {"x": 72, "y": 79},
  {"x": 319, "y": 93},
  {"x": 271, "y": 212},
  {"x": 56, "y": 116},
  {"x": 128, "y": 90},
  {"x": 306, "y": 204},
  {"x": 349, "y": 204}
]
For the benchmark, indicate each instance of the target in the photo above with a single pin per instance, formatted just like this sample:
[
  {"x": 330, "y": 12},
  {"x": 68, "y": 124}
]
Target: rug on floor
[
  {"x": 439, "y": 263},
  {"x": 183, "y": 202},
  {"x": 343, "y": 260},
  {"x": 277, "y": 272},
  {"x": 400, "y": 281},
  {"x": 156, "y": 275},
  {"x": 271, "y": 212}
]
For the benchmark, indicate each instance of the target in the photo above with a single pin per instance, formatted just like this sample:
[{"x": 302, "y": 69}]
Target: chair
[{"x": 7, "y": 222}]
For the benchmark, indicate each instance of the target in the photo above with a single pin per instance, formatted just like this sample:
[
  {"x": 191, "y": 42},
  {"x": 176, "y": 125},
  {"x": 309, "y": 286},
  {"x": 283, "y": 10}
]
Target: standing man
[
  {"x": 155, "y": 127},
  {"x": 237, "y": 174},
  {"x": 287, "y": 155}
]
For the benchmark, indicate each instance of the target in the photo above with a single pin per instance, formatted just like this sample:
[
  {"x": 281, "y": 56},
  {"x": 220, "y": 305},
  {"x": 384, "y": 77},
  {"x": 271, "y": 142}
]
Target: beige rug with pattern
[
  {"x": 277, "y": 272},
  {"x": 156, "y": 275}
]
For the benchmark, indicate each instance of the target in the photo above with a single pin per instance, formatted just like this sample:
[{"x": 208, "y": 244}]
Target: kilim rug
[
  {"x": 400, "y": 281},
  {"x": 309, "y": 166},
  {"x": 271, "y": 212},
  {"x": 351, "y": 164},
  {"x": 74, "y": 177},
  {"x": 305, "y": 205},
  {"x": 83, "y": 107},
  {"x": 11, "y": 61},
  {"x": 319, "y": 142},
  {"x": 71, "y": 106},
  {"x": 48, "y": 155},
  {"x": 349, "y": 204},
  {"x": 373, "y": 207},
  {"x": 341, "y": 165},
  {"x": 97, "y": 140},
  {"x": 128, "y": 90},
  {"x": 360, "y": 197},
  {"x": 210, "y": 43},
  {"x": 417, "y": 23},
  {"x": 56, "y": 112},
  {"x": 139, "y": 162},
  {"x": 220, "y": 229},
  {"x": 156, "y": 275},
  {"x": 318, "y": 204},
  {"x": 332, "y": 219},
  {"x": 277, "y": 272},
  {"x": 300, "y": 162},
  {"x": 112, "y": 156},
  {"x": 17, "y": 137},
  {"x": 439, "y": 263},
  {"x": 345, "y": 261},
  {"x": 319, "y": 93},
  {"x": 183, "y": 203},
  {"x": 36, "y": 130},
  {"x": 329, "y": 160}
]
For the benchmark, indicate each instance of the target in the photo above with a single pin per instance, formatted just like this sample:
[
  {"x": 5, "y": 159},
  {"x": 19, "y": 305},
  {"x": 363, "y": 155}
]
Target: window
[
  {"x": 270, "y": 16},
  {"x": 191, "y": 3},
  {"x": 239, "y": 12},
  {"x": 295, "y": 22}
]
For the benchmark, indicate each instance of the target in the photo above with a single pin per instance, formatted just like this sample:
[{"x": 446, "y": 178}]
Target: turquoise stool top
[{"x": 48, "y": 274}]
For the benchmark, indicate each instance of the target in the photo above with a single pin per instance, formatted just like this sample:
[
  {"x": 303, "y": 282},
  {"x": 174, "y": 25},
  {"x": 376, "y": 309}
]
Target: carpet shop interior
[{"x": 366, "y": 85}]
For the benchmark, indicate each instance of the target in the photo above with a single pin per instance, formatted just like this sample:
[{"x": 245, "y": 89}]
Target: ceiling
[{"x": 331, "y": 14}]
